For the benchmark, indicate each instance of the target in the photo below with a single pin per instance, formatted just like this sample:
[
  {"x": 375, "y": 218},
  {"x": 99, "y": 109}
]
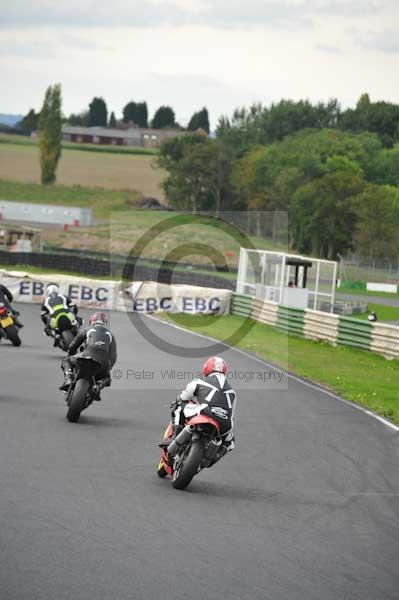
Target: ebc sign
[{"x": 83, "y": 295}]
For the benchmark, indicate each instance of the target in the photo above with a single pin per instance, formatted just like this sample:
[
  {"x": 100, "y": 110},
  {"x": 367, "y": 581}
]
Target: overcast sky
[{"x": 193, "y": 53}]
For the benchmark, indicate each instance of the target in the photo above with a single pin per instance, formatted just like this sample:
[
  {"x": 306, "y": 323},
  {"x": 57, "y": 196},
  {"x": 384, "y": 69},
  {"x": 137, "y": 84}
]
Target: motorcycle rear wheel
[
  {"x": 189, "y": 467},
  {"x": 67, "y": 337},
  {"x": 78, "y": 400},
  {"x": 12, "y": 333}
]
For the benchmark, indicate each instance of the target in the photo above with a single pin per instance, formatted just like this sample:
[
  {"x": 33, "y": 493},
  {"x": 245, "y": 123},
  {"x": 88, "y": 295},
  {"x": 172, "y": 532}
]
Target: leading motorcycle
[
  {"x": 195, "y": 448},
  {"x": 8, "y": 328},
  {"x": 63, "y": 328}
]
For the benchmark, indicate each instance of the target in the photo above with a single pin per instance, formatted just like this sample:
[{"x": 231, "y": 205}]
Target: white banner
[
  {"x": 382, "y": 287},
  {"x": 150, "y": 297},
  {"x": 139, "y": 296}
]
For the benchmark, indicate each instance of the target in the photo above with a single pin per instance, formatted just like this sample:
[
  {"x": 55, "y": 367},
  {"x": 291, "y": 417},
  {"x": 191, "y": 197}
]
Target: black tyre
[
  {"x": 78, "y": 400},
  {"x": 189, "y": 465},
  {"x": 12, "y": 334},
  {"x": 67, "y": 337}
]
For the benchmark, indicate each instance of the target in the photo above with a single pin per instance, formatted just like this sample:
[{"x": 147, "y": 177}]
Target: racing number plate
[{"x": 6, "y": 322}]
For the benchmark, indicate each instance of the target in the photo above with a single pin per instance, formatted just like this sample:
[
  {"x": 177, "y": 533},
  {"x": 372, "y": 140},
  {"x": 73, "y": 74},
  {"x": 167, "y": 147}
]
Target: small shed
[{"x": 287, "y": 279}]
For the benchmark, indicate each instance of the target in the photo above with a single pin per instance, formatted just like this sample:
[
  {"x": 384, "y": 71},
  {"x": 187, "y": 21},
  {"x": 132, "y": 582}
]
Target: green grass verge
[
  {"x": 383, "y": 312},
  {"x": 26, "y": 141},
  {"x": 362, "y": 377},
  {"x": 359, "y": 292}
]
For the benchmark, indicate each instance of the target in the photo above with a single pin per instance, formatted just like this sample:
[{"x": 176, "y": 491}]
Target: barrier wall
[
  {"x": 113, "y": 267},
  {"x": 316, "y": 325},
  {"x": 139, "y": 296}
]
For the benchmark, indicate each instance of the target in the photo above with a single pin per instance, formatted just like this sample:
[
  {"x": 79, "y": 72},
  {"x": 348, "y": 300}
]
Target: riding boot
[{"x": 67, "y": 381}]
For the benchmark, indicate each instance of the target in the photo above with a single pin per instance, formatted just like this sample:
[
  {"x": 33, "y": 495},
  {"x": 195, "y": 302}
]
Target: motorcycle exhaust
[{"x": 182, "y": 438}]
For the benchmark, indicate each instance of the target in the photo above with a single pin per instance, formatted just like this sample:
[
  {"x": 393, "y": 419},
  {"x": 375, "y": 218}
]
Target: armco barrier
[
  {"x": 241, "y": 305},
  {"x": 353, "y": 332},
  {"x": 321, "y": 326},
  {"x": 316, "y": 325},
  {"x": 290, "y": 320},
  {"x": 385, "y": 340}
]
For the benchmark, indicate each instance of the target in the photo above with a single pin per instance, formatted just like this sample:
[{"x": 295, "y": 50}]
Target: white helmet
[{"x": 52, "y": 288}]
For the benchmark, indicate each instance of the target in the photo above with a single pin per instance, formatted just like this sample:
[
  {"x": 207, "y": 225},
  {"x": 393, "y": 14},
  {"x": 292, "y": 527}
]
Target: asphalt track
[{"x": 306, "y": 507}]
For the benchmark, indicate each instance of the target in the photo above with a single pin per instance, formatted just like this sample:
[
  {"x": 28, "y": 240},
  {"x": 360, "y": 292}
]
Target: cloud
[
  {"x": 385, "y": 41},
  {"x": 328, "y": 49},
  {"x": 282, "y": 14}
]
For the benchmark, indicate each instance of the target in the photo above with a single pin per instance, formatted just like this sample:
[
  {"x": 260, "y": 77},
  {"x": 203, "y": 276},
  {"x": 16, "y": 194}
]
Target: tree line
[
  {"x": 336, "y": 173},
  {"x": 97, "y": 115}
]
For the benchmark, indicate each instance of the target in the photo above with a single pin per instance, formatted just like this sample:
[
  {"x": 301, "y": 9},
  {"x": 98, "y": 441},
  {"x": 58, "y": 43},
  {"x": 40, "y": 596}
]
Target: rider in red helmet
[
  {"x": 211, "y": 395},
  {"x": 98, "y": 344}
]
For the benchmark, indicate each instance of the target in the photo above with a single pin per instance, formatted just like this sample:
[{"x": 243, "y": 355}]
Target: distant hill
[{"x": 10, "y": 120}]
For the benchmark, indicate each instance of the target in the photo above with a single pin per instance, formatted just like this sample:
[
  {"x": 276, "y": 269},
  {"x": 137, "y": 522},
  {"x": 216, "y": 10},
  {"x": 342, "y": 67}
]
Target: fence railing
[{"x": 316, "y": 325}]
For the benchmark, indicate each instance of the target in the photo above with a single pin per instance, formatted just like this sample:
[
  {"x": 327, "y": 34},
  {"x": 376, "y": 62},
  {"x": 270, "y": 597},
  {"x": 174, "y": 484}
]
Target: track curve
[{"x": 306, "y": 507}]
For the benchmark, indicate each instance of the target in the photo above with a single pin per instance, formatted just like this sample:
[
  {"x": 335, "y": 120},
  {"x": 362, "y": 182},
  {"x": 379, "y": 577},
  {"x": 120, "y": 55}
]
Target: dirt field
[{"x": 21, "y": 163}]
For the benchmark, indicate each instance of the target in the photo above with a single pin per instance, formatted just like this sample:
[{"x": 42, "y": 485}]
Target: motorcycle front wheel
[
  {"x": 189, "y": 465},
  {"x": 78, "y": 401}
]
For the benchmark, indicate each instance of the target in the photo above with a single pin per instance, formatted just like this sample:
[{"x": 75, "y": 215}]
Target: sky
[{"x": 221, "y": 54}]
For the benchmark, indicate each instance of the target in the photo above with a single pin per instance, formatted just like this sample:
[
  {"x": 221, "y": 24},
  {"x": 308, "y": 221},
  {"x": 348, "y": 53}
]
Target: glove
[{"x": 176, "y": 403}]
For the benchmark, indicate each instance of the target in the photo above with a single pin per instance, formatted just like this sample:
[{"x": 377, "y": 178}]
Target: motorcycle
[
  {"x": 84, "y": 388},
  {"x": 8, "y": 328},
  {"x": 195, "y": 448},
  {"x": 63, "y": 328}
]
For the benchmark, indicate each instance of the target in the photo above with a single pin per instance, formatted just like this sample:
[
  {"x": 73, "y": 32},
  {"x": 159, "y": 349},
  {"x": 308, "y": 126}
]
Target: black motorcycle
[{"x": 84, "y": 389}]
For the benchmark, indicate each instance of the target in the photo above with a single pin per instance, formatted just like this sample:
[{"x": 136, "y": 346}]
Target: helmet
[
  {"x": 98, "y": 318},
  {"x": 215, "y": 364},
  {"x": 52, "y": 288}
]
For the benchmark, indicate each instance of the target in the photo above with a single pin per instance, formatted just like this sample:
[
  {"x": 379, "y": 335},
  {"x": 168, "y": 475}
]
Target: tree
[
  {"x": 80, "y": 120},
  {"x": 97, "y": 113},
  {"x": 137, "y": 112},
  {"x": 378, "y": 117},
  {"x": 30, "y": 122},
  {"x": 50, "y": 124},
  {"x": 199, "y": 120},
  {"x": 324, "y": 215},
  {"x": 199, "y": 170},
  {"x": 384, "y": 167},
  {"x": 112, "y": 120},
  {"x": 377, "y": 231},
  {"x": 164, "y": 117}
]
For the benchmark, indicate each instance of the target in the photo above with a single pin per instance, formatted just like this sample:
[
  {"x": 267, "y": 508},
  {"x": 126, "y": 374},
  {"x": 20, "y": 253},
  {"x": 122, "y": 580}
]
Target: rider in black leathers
[
  {"x": 6, "y": 298},
  {"x": 98, "y": 344}
]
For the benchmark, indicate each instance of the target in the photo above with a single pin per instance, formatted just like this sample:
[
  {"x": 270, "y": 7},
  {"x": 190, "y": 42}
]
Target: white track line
[{"x": 289, "y": 375}]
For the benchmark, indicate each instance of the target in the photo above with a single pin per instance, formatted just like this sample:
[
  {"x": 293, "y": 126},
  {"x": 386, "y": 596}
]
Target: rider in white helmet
[{"x": 54, "y": 304}]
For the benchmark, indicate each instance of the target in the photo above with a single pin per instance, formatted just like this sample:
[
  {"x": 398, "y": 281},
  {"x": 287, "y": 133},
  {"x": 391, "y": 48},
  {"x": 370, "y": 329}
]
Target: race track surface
[{"x": 306, "y": 507}]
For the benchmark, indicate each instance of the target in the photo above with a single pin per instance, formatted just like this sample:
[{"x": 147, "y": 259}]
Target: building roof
[{"x": 132, "y": 132}]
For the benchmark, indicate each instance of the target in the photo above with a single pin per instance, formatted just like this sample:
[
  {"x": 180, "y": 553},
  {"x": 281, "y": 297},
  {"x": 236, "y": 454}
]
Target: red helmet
[
  {"x": 215, "y": 364},
  {"x": 98, "y": 318}
]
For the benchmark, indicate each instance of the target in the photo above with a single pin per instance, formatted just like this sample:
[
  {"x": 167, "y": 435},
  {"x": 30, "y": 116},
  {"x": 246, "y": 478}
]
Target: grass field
[
  {"x": 20, "y": 140},
  {"x": 180, "y": 241},
  {"x": 383, "y": 312},
  {"x": 116, "y": 171},
  {"x": 362, "y": 377},
  {"x": 101, "y": 200}
]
